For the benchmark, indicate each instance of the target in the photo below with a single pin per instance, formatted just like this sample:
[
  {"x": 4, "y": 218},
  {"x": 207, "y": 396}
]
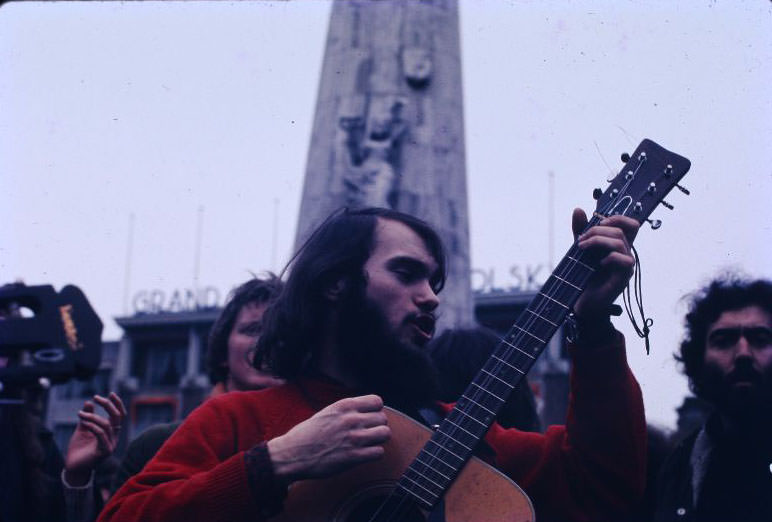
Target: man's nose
[
  {"x": 742, "y": 349},
  {"x": 427, "y": 299}
]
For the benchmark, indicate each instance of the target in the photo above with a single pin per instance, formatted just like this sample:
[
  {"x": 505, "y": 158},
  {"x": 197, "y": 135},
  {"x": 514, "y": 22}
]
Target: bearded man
[
  {"x": 348, "y": 334},
  {"x": 723, "y": 471}
]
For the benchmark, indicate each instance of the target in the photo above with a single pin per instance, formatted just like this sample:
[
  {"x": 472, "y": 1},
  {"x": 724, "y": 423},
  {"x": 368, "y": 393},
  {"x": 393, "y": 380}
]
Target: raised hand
[
  {"x": 94, "y": 439},
  {"x": 345, "y": 433},
  {"x": 611, "y": 239}
]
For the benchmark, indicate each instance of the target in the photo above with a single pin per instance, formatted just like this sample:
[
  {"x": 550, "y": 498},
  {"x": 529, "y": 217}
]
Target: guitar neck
[
  {"x": 648, "y": 175},
  {"x": 451, "y": 446}
]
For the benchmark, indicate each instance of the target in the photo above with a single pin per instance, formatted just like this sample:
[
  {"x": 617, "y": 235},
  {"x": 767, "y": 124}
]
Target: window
[
  {"x": 150, "y": 411},
  {"x": 160, "y": 363}
]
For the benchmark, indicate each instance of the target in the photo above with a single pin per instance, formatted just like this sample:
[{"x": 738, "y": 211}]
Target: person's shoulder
[
  {"x": 238, "y": 400},
  {"x": 147, "y": 443},
  {"x": 160, "y": 431}
]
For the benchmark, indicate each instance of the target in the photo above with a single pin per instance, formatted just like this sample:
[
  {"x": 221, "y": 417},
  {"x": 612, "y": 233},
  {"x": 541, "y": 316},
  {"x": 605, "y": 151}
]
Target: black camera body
[{"x": 61, "y": 340}]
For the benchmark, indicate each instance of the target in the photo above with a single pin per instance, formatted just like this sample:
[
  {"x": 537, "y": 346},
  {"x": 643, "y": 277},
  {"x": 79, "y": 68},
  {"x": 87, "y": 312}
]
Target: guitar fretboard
[
  {"x": 451, "y": 446},
  {"x": 650, "y": 173}
]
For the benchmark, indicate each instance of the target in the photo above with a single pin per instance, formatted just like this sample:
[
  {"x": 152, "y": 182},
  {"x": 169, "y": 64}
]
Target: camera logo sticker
[{"x": 70, "y": 332}]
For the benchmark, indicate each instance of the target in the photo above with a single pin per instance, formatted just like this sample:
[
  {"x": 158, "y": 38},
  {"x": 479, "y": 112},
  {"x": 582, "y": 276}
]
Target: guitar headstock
[{"x": 647, "y": 177}]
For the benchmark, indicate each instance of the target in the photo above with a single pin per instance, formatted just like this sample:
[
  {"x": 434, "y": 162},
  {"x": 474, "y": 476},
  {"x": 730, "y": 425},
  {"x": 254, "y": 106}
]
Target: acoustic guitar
[{"x": 428, "y": 475}]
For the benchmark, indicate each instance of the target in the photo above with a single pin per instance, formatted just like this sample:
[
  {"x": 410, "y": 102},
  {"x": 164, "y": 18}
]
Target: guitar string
[
  {"x": 552, "y": 287},
  {"x": 564, "y": 270},
  {"x": 571, "y": 263}
]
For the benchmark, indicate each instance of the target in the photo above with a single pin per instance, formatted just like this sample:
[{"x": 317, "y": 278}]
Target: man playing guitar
[{"x": 347, "y": 334}]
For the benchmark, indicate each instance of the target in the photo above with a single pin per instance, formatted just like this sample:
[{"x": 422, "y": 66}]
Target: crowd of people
[{"x": 303, "y": 367}]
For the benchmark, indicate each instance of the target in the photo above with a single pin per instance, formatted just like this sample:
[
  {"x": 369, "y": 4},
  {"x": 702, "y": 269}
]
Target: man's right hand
[{"x": 345, "y": 433}]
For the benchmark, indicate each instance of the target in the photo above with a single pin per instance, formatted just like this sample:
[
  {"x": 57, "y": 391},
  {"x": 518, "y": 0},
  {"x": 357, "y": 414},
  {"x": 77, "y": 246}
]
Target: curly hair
[
  {"x": 257, "y": 290},
  {"x": 336, "y": 251},
  {"x": 705, "y": 307}
]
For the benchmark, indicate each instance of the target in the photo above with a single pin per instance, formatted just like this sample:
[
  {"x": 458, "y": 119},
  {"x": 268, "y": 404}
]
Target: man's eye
[
  {"x": 405, "y": 274},
  {"x": 759, "y": 337},
  {"x": 252, "y": 330},
  {"x": 723, "y": 339}
]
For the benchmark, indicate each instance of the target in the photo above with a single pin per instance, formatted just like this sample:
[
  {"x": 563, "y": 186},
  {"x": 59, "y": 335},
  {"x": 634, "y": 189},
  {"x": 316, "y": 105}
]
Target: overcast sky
[{"x": 160, "y": 109}]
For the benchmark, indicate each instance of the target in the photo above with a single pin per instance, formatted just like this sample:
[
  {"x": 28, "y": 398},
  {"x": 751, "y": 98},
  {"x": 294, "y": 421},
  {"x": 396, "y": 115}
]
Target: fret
[
  {"x": 428, "y": 502},
  {"x": 541, "y": 317},
  {"x": 477, "y": 403},
  {"x": 555, "y": 301},
  {"x": 455, "y": 439},
  {"x": 497, "y": 378},
  {"x": 424, "y": 477},
  {"x": 443, "y": 448},
  {"x": 539, "y": 330},
  {"x": 436, "y": 459},
  {"x": 486, "y": 408},
  {"x": 516, "y": 348},
  {"x": 461, "y": 411},
  {"x": 578, "y": 262},
  {"x": 569, "y": 283},
  {"x": 529, "y": 333},
  {"x": 440, "y": 433},
  {"x": 487, "y": 391}
]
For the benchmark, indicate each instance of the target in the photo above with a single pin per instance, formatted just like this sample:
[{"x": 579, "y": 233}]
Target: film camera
[{"x": 61, "y": 339}]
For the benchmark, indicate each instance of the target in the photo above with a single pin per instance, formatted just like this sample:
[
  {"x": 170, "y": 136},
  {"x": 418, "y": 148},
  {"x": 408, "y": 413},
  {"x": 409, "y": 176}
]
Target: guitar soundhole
[{"x": 365, "y": 503}]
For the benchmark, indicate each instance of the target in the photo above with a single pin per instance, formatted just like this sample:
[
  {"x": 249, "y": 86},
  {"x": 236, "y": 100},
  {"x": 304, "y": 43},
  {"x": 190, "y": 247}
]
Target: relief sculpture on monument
[{"x": 372, "y": 145}]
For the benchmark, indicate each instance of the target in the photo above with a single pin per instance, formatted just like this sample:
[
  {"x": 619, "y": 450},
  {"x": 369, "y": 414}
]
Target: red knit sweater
[{"x": 593, "y": 468}]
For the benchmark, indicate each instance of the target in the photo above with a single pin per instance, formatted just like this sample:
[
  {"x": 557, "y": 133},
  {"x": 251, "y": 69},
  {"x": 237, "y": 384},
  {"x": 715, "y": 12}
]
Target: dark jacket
[{"x": 710, "y": 476}]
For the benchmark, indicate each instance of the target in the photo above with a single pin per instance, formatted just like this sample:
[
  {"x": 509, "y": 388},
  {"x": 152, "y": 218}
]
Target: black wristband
[
  {"x": 586, "y": 332},
  {"x": 268, "y": 490}
]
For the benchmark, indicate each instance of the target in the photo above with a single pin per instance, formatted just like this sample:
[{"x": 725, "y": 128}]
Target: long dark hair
[
  {"x": 728, "y": 292},
  {"x": 336, "y": 251},
  {"x": 257, "y": 290}
]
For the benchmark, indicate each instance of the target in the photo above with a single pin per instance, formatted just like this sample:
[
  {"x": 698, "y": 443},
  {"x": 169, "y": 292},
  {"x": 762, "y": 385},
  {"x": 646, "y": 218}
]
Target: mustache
[
  {"x": 425, "y": 320},
  {"x": 744, "y": 373}
]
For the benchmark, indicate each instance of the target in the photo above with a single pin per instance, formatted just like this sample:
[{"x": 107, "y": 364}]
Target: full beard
[
  {"x": 399, "y": 371},
  {"x": 744, "y": 404}
]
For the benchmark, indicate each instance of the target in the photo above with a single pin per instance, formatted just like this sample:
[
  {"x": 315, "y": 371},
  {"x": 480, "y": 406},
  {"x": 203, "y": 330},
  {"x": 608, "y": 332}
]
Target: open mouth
[{"x": 424, "y": 323}]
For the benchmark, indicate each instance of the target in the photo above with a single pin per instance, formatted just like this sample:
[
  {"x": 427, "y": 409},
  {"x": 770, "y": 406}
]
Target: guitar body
[{"x": 479, "y": 493}]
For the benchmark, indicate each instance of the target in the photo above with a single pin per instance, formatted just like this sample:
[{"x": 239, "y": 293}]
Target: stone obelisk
[{"x": 389, "y": 130}]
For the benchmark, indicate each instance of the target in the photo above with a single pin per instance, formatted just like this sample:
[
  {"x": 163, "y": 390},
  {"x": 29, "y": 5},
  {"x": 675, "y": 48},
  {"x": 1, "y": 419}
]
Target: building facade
[{"x": 158, "y": 368}]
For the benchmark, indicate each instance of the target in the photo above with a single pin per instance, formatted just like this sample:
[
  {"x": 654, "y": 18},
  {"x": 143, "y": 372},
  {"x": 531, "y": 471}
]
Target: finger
[
  {"x": 96, "y": 419},
  {"x": 578, "y": 221},
  {"x": 367, "y": 403},
  {"x": 599, "y": 242},
  {"x": 359, "y": 455},
  {"x": 628, "y": 225},
  {"x": 370, "y": 436},
  {"x": 103, "y": 438},
  {"x": 363, "y": 403},
  {"x": 368, "y": 420},
  {"x": 110, "y": 408},
  {"x": 623, "y": 262},
  {"x": 116, "y": 400},
  {"x": 88, "y": 406},
  {"x": 603, "y": 231}
]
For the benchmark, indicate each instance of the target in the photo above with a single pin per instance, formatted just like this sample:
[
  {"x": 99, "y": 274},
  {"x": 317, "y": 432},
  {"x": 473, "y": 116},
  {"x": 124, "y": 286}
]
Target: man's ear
[{"x": 336, "y": 289}]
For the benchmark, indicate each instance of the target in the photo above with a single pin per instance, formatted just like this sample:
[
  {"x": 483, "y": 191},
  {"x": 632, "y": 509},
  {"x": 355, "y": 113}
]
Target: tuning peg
[
  {"x": 666, "y": 205},
  {"x": 683, "y": 189},
  {"x": 596, "y": 194},
  {"x": 625, "y": 157},
  {"x": 654, "y": 223}
]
